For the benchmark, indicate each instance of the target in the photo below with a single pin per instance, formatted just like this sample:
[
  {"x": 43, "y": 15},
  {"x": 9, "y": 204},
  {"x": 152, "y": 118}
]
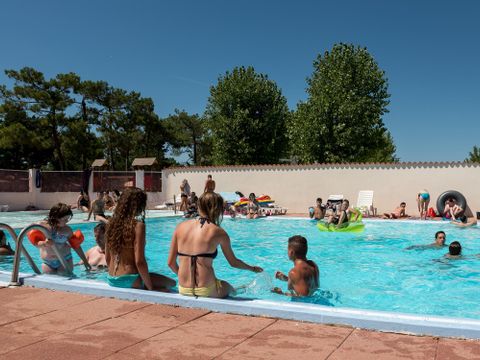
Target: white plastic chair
[{"x": 365, "y": 202}]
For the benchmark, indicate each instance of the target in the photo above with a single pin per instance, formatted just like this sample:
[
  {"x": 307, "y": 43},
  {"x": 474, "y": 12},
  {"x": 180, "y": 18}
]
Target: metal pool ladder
[{"x": 19, "y": 245}]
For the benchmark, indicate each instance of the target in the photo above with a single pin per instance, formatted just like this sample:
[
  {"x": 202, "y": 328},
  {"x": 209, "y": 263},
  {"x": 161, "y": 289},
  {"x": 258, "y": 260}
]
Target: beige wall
[{"x": 297, "y": 187}]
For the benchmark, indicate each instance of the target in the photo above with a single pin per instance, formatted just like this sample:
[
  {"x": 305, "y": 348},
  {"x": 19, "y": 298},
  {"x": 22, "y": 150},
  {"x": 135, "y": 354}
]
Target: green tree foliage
[
  {"x": 65, "y": 123},
  {"x": 21, "y": 143},
  {"x": 189, "y": 132},
  {"x": 341, "y": 121},
  {"x": 474, "y": 155},
  {"x": 246, "y": 115}
]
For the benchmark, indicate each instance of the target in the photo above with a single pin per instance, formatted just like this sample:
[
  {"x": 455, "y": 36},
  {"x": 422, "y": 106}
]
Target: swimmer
[
  {"x": 423, "y": 199},
  {"x": 440, "y": 238},
  {"x": 98, "y": 209},
  {"x": 398, "y": 213},
  {"x": 465, "y": 221},
  {"x": 454, "y": 250},
  {"x": 303, "y": 278},
  {"x": 5, "y": 248},
  {"x": 96, "y": 254},
  {"x": 318, "y": 212}
]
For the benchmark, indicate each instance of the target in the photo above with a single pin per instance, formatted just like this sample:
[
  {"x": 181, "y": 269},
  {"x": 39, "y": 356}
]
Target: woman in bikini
[
  {"x": 195, "y": 242},
  {"x": 253, "y": 207},
  {"x": 125, "y": 246}
]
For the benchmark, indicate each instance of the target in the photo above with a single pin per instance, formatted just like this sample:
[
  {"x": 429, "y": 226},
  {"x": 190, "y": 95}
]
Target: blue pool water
[{"x": 371, "y": 270}]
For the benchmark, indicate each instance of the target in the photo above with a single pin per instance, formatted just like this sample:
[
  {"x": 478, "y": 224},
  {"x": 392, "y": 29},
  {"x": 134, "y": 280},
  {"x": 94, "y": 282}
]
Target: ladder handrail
[{"x": 25, "y": 252}]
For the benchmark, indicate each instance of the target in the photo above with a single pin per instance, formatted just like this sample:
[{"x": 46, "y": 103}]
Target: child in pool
[
  {"x": 96, "y": 254},
  {"x": 304, "y": 278},
  {"x": 454, "y": 250},
  {"x": 5, "y": 248},
  {"x": 58, "y": 217}
]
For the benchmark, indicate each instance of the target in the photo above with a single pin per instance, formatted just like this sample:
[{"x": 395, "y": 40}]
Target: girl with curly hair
[
  {"x": 195, "y": 242},
  {"x": 125, "y": 246}
]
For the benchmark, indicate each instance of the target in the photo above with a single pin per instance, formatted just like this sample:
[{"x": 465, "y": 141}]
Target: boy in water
[
  {"x": 317, "y": 212},
  {"x": 454, "y": 250},
  {"x": 96, "y": 254},
  {"x": 440, "y": 238},
  {"x": 303, "y": 278}
]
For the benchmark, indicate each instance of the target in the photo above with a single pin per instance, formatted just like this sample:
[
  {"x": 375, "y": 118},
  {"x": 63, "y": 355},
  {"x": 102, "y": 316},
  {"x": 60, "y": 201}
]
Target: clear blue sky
[{"x": 173, "y": 51}]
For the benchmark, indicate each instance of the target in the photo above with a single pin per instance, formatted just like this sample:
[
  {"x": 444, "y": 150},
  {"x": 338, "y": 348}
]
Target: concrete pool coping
[{"x": 366, "y": 319}]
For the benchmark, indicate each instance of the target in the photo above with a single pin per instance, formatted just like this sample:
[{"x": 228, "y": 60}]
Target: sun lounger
[{"x": 365, "y": 203}]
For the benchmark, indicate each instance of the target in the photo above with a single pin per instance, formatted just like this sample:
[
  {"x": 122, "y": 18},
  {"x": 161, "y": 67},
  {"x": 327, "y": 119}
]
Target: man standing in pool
[
  {"x": 303, "y": 278},
  {"x": 439, "y": 243}
]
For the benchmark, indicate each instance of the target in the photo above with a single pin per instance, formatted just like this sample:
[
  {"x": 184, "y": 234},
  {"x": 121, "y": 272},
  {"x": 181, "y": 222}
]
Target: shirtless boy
[
  {"x": 398, "y": 213},
  {"x": 96, "y": 254},
  {"x": 318, "y": 212},
  {"x": 303, "y": 278},
  {"x": 209, "y": 184}
]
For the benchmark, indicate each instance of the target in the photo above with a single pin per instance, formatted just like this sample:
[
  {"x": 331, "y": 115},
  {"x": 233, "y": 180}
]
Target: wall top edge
[{"x": 326, "y": 166}]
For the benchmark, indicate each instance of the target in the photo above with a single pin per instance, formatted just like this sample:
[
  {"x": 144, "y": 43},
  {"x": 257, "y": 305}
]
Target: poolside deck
[{"x": 46, "y": 324}]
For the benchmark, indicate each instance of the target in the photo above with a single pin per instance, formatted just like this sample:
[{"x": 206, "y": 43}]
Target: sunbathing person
[
  {"x": 83, "y": 202},
  {"x": 454, "y": 250},
  {"x": 440, "y": 238},
  {"x": 452, "y": 210},
  {"x": 303, "y": 278},
  {"x": 195, "y": 243},
  {"x": 398, "y": 213},
  {"x": 125, "y": 246},
  {"x": 96, "y": 254},
  {"x": 5, "y": 248},
  {"x": 317, "y": 212}
]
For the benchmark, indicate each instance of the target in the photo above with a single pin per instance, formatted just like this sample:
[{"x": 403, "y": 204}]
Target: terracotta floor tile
[
  {"x": 369, "y": 345},
  {"x": 452, "y": 349},
  {"x": 76, "y": 316},
  {"x": 204, "y": 338},
  {"x": 290, "y": 340},
  {"x": 14, "y": 339},
  {"x": 24, "y": 302}
]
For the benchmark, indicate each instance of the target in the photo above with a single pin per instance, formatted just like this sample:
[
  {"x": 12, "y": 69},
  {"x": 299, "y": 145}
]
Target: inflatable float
[
  {"x": 353, "y": 226},
  {"x": 263, "y": 200},
  {"x": 455, "y": 195}
]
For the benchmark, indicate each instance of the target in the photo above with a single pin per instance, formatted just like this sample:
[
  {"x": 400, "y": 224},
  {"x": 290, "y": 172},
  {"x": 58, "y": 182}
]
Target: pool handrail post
[{"x": 25, "y": 253}]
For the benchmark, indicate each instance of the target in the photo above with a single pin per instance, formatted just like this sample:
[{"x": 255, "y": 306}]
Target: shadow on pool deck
[{"x": 46, "y": 324}]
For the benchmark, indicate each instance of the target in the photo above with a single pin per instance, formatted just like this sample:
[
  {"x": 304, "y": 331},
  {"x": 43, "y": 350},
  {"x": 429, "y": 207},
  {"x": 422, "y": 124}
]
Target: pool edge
[{"x": 366, "y": 319}]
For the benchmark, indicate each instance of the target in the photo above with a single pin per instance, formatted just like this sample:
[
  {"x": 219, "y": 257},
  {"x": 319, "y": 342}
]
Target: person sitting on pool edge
[
  {"x": 303, "y": 278},
  {"x": 317, "y": 212},
  {"x": 125, "y": 246},
  {"x": 452, "y": 210},
  {"x": 454, "y": 250},
  {"x": 398, "y": 213},
  {"x": 5, "y": 248},
  {"x": 440, "y": 238},
  {"x": 96, "y": 254},
  {"x": 195, "y": 242}
]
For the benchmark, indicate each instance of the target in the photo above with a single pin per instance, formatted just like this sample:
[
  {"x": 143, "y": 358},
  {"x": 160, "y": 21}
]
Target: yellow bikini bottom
[{"x": 201, "y": 291}]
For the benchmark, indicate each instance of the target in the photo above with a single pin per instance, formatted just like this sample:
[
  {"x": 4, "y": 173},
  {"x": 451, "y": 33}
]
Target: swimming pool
[{"x": 371, "y": 270}]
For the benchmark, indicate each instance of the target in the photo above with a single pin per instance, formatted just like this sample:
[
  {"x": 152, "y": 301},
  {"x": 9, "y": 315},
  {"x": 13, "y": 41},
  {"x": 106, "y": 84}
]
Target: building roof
[
  {"x": 144, "y": 162},
  {"x": 99, "y": 163}
]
